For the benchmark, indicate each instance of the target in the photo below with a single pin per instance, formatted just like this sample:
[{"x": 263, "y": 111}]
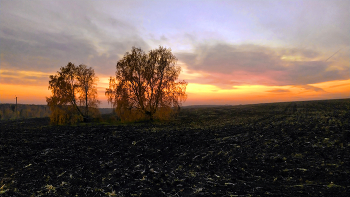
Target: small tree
[
  {"x": 72, "y": 85},
  {"x": 146, "y": 83},
  {"x": 87, "y": 91}
]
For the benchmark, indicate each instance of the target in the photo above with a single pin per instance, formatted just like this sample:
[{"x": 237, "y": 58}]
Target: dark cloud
[
  {"x": 45, "y": 37},
  {"x": 43, "y": 52},
  {"x": 226, "y": 58},
  {"x": 189, "y": 59},
  {"x": 312, "y": 72},
  {"x": 309, "y": 53},
  {"x": 253, "y": 64}
]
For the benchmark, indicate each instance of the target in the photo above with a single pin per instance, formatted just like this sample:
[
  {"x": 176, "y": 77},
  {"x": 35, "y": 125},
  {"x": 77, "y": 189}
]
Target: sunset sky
[{"x": 231, "y": 52}]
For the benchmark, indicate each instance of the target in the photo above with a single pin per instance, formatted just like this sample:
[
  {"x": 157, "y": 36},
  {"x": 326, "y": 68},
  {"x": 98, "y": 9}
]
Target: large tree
[
  {"x": 74, "y": 93},
  {"x": 146, "y": 83}
]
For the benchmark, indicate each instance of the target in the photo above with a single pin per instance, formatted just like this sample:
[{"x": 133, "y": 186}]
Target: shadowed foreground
[{"x": 282, "y": 149}]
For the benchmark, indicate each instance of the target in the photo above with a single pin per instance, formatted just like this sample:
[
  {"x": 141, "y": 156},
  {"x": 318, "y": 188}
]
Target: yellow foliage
[
  {"x": 130, "y": 115},
  {"x": 146, "y": 85},
  {"x": 74, "y": 94},
  {"x": 65, "y": 116},
  {"x": 164, "y": 113}
]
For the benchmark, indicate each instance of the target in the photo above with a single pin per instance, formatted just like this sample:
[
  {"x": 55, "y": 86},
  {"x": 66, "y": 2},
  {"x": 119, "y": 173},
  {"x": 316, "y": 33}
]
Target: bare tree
[{"x": 147, "y": 83}]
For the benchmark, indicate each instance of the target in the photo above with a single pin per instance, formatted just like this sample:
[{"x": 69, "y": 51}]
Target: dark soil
[{"x": 282, "y": 149}]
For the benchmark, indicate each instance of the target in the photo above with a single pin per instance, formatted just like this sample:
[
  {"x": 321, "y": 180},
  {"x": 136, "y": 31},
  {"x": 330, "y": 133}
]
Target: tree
[
  {"x": 145, "y": 84},
  {"x": 88, "y": 92},
  {"x": 72, "y": 85}
]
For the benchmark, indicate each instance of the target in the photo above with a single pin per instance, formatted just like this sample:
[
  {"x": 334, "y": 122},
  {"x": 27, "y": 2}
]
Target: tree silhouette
[
  {"x": 72, "y": 85},
  {"x": 145, "y": 85}
]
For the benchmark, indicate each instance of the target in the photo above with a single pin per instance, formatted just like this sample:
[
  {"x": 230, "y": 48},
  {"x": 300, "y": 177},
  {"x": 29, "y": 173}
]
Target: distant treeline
[
  {"x": 106, "y": 110},
  {"x": 23, "y": 111},
  {"x": 9, "y": 111}
]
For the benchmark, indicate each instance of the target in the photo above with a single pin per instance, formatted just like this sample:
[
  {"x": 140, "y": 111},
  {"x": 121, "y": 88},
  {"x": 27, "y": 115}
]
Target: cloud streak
[
  {"x": 20, "y": 77},
  {"x": 279, "y": 91}
]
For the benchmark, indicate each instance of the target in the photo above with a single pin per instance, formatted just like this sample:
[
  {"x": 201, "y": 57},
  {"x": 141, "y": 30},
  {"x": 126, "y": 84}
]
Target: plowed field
[{"x": 280, "y": 149}]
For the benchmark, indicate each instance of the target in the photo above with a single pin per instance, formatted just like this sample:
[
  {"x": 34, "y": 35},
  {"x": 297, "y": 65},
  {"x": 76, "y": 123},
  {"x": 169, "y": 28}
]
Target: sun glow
[
  {"x": 245, "y": 94},
  {"x": 26, "y": 94}
]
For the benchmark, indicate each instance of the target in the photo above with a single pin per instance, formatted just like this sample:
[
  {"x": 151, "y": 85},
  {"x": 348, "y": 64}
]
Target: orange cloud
[{"x": 23, "y": 77}]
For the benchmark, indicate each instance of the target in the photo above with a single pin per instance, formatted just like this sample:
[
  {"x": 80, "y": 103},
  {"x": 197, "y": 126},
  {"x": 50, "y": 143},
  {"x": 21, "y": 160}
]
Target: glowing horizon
[{"x": 202, "y": 94}]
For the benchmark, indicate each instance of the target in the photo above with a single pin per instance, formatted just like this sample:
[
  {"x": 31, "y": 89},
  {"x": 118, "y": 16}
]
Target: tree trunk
[
  {"x": 76, "y": 106},
  {"x": 86, "y": 103},
  {"x": 150, "y": 115}
]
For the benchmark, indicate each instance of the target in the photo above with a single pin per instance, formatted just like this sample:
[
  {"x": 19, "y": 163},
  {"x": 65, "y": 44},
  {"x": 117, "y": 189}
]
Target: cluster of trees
[{"x": 145, "y": 87}]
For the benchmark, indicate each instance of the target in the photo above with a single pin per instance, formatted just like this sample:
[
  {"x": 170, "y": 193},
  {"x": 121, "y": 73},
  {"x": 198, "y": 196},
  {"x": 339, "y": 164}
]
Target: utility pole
[{"x": 16, "y": 107}]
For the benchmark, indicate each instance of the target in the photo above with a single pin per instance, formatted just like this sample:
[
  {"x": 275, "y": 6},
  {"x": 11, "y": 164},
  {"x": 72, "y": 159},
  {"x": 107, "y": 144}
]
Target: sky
[{"x": 231, "y": 52}]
